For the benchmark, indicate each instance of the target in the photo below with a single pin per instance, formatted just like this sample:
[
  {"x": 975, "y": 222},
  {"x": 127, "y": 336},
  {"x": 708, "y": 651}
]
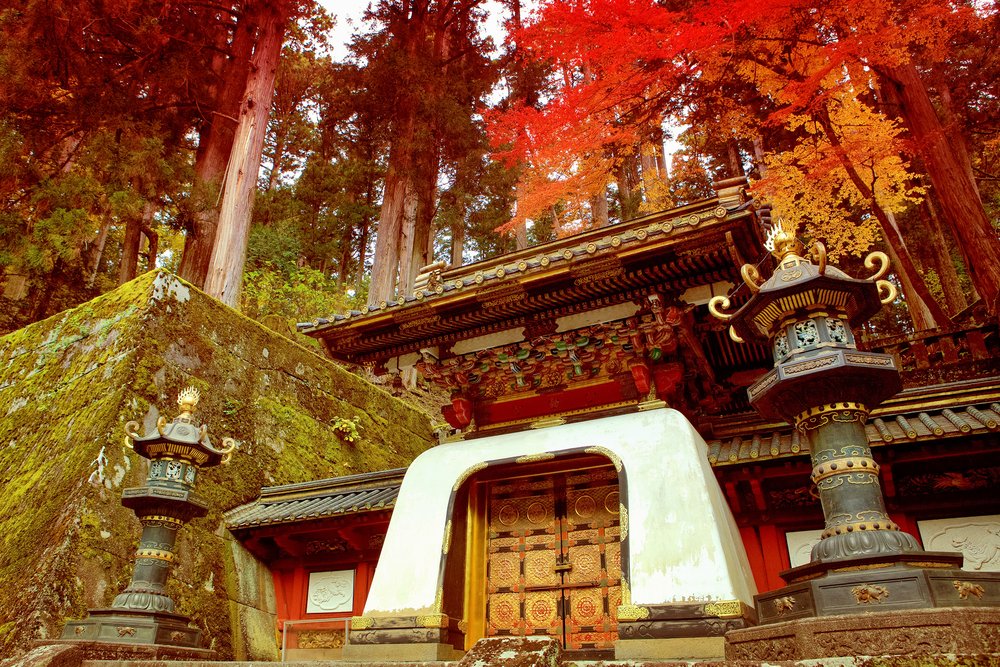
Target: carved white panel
[
  {"x": 976, "y": 537},
  {"x": 800, "y": 544},
  {"x": 330, "y": 592}
]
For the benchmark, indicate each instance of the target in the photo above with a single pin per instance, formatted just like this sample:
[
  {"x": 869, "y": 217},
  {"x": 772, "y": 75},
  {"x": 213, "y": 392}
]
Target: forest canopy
[{"x": 224, "y": 140}]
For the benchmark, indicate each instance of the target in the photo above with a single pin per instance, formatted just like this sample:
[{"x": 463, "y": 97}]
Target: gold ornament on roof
[
  {"x": 188, "y": 399},
  {"x": 751, "y": 276},
  {"x": 786, "y": 244},
  {"x": 880, "y": 258},
  {"x": 887, "y": 291}
]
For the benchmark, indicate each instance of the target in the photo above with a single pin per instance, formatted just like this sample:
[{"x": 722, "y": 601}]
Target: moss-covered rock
[{"x": 67, "y": 387}]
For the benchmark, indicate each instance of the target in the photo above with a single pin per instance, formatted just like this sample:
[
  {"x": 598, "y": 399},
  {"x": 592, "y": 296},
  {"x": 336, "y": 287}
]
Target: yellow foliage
[
  {"x": 809, "y": 187},
  {"x": 655, "y": 188}
]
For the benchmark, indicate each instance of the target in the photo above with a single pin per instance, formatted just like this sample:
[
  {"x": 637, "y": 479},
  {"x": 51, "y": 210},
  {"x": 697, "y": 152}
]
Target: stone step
[
  {"x": 949, "y": 660},
  {"x": 69, "y": 656},
  {"x": 229, "y": 663}
]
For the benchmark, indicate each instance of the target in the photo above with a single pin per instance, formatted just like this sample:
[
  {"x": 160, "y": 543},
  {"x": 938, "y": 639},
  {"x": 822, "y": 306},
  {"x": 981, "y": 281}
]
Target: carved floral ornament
[{"x": 558, "y": 358}]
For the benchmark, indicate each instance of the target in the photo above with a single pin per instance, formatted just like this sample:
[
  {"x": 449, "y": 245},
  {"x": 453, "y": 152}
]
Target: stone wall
[{"x": 67, "y": 387}]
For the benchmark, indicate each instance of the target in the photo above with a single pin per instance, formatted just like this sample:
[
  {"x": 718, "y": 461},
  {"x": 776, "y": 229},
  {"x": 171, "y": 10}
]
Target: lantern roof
[
  {"x": 184, "y": 437},
  {"x": 797, "y": 285}
]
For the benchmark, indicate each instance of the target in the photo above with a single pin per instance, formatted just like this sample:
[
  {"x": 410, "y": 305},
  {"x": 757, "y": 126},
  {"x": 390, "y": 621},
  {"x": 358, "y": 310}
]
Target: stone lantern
[
  {"x": 825, "y": 386},
  {"x": 143, "y": 614}
]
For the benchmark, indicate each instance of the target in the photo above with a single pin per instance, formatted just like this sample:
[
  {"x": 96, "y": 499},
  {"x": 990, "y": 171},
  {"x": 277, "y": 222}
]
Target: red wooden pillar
[
  {"x": 755, "y": 554},
  {"x": 775, "y": 551}
]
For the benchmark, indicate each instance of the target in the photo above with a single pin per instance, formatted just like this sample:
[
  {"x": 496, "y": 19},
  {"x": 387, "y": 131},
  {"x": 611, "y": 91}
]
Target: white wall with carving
[
  {"x": 800, "y": 544},
  {"x": 976, "y": 537},
  {"x": 330, "y": 592}
]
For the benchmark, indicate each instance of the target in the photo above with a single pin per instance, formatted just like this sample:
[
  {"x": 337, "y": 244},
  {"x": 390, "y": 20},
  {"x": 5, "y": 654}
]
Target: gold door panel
[
  {"x": 542, "y": 614},
  {"x": 593, "y": 548},
  {"x": 540, "y": 569},
  {"x": 554, "y": 558},
  {"x": 521, "y": 582},
  {"x": 505, "y": 572}
]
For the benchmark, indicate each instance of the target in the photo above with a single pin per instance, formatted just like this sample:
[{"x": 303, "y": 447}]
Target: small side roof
[
  {"x": 884, "y": 428},
  {"x": 324, "y": 498}
]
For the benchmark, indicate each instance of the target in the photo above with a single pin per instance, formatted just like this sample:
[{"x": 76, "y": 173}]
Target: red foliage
[{"x": 620, "y": 65}]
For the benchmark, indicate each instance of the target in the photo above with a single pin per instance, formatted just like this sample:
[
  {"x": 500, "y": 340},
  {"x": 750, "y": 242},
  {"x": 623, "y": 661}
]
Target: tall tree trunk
[
  {"x": 521, "y": 236},
  {"x": 215, "y": 143},
  {"x": 411, "y": 240},
  {"x": 388, "y": 240},
  {"x": 735, "y": 163},
  {"x": 225, "y": 269},
  {"x": 40, "y": 302},
  {"x": 130, "y": 250},
  {"x": 458, "y": 237},
  {"x": 647, "y": 163},
  {"x": 363, "y": 237},
  {"x": 941, "y": 256},
  {"x": 279, "y": 149},
  {"x": 961, "y": 206},
  {"x": 152, "y": 247},
  {"x": 758, "y": 155},
  {"x": 102, "y": 240},
  {"x": 627, "y": 177},
  {"x": 419, "y": 239},
  {"x": 398, "y": 198},
  {"x": 925, "y": 312},
  {"x": 599, "y": 209},
  {"x": 346, "y": 252},
  {"x": 951, "y": 125}
]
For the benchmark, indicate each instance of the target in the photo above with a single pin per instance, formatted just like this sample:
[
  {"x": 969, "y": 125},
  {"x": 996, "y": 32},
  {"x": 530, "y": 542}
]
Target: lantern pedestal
[
  {"x": 913, "y": 580},
  {"x": 825, "y": 386},
  {"x": 143, "y": 614},
  {"x": 136, "y": 627},
  {"x": 110, "y": 649}
]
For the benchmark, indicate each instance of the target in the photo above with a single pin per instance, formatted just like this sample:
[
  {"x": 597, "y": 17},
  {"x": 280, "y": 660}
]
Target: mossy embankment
[{"x": 70, "y": 383}]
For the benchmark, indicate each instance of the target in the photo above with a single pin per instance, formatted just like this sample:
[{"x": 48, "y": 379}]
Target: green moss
[{"x": 71, "y": 382}]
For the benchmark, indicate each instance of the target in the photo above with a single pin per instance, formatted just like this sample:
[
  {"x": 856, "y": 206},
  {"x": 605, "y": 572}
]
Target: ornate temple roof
[{"x": 690, "y": 246}]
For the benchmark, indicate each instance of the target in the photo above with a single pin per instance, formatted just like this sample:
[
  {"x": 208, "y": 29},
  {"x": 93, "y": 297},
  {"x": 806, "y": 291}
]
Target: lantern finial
[
  {"x": 188, "y": 399},
  {"x": 785, "y": 244}
]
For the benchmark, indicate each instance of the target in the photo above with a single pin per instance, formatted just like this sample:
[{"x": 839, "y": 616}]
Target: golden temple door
[{"x": 554, "y": 558}]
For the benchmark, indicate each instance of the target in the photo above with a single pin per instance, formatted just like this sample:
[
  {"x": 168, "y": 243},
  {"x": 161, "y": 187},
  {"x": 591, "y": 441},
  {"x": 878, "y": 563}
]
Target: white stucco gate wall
[{"x": 682, "y": 542}]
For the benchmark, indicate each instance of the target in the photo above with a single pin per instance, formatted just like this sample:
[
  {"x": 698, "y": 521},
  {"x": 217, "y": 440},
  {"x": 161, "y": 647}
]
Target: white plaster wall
[{"x": 684, "y": 545}]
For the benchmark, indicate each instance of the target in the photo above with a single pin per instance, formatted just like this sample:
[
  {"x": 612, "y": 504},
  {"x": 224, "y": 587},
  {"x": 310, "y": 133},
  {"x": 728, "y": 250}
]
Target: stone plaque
[
  {"x": 976, "y": 537},
  {"x": 330, "y": 592}
]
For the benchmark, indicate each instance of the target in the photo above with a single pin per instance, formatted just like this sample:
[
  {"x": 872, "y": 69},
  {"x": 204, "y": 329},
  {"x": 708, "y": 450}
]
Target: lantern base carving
[
  {"x": 143, "y": 601},
  {"x": 864, "y": 542},
  {"x": 133, "y": 627},
  {"x": 949, "y": 636},
  {"x": 862, "y": 585}
]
